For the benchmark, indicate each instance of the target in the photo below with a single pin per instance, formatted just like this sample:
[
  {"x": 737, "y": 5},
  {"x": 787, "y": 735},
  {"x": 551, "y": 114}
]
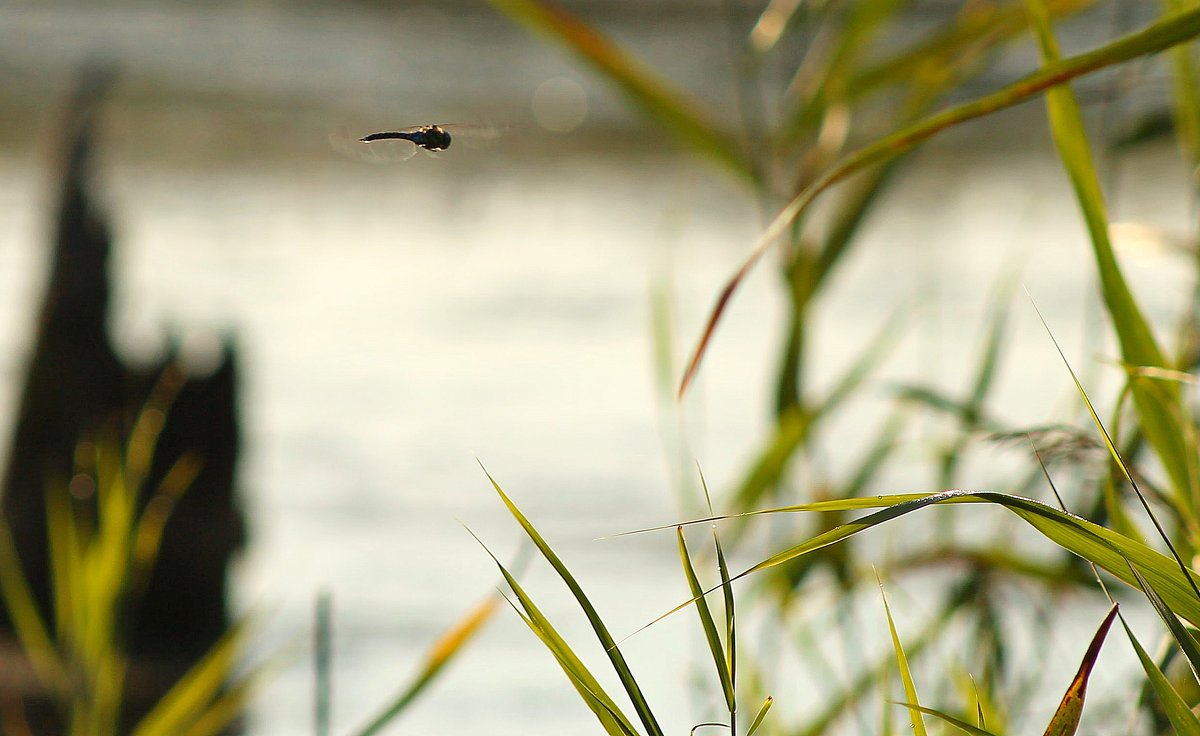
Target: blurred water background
[{"x": 399, "y": 325}]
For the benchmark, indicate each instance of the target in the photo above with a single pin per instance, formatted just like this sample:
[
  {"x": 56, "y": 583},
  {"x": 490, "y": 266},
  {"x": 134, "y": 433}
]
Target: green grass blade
[
  {"x": 1185, "y": 91},
  {"x": 1066, "y": 719},
  {"x": 1182, "y": 719},
  {"x": 956, "y": 722},
  {"x": 610, "y": 645},
  {"x": 654, "y": 96},
  {"x": 1186, "y": 642},
  {"x": 26, "y": 621},
  {"x": 910, "y": 687},
  {"x": 1167, "y": 32},
  {"x": 597, "y": 700},
  {"x": 715, "y": 646},
  {"x": 438, "y": 656},
  {"x": 762, "y": 713},
  {"x": 1106, "y": 548},
  {"x": 188, "y": 699},
  {"x": 1138, "y": 346},
  {"x": 1116, "y": 456}
]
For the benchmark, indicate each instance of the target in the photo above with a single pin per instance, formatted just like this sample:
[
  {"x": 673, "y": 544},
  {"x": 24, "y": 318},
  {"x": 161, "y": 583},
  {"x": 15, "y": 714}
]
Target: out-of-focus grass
[{"x": 101, "y": 555}]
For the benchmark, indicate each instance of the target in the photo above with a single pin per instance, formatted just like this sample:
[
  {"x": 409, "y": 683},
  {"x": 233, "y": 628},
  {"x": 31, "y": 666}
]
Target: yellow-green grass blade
[
  {"x": 615, "y": 722},
  {"x": 1185, "y": 90},
  {"x": 1182, "y": 719},
  {"x": 1182, "y": 637},
  {"x": 1116, "y": 456},
  {"x": 762, "y": 714},
  {"x": 64, "y": 550},
  {"x": 1066, "y": 719},
  {"x": 1167, "y": 32},
  {"x": 596, "y": 700},
  {"x": 1138, "y": 346},
  {"x": 956, "y": 722},
  {"x": 641, "y": 706},
  {"x": 152, "y": 522},
  {"x": 1104, "y": 547},
  {"x": 443, "y": 650},
  {"x": 26, "y": 621},
  {"x": 866, "y": 682},
  {"x": 730, "y": 612},
  {"x": 654, "y": 96},
  {"x": 856, "y": 37},
  {"x": 906, "y": 679},
  {"x": 709, "y": 624},
  {"x": 232, "y": 703},
  {"x": 983, "y": 24},
  {"x": 730, "y": 607},
  {"x": 199, "y": 687}
]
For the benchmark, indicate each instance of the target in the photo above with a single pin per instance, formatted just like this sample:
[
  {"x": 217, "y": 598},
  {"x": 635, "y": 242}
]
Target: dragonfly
[{"x": 402, "y": 144}]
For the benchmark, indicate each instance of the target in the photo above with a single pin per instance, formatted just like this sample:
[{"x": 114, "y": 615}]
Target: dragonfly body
[{"x": 429, "y": 137}]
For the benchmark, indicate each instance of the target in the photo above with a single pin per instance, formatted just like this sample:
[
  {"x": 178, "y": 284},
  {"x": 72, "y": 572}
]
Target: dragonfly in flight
[{"x": 400, "y": 145}]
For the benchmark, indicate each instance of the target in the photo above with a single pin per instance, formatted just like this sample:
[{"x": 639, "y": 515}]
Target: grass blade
[
  {"x": 956, "y": 722},
  {"x": 1182, "y": 719},
  {"x": 1182, "y": 637},
  {"x": 762, "y": 713},
  {"x": 187, "y": 700},
  {"x": 439, "y": 655},
  {"x": 610, "y": 645},
  {"x": 654, "y": 96},
  {"x": 598, "y": 701},
  {"x": 1156, "y": 405},
  {"x": 715, "y": 646},
  {"x": 1104, "y": 547},
  {"x": 910, "y": 687},
  {"x": 1167, "y": 32},
  {"x": 1066, "y": 719}
]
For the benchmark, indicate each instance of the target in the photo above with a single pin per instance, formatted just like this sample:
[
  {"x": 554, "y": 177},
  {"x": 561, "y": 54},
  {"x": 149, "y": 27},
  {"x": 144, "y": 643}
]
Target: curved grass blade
[
  {"x": 439, "y": 655},
  {"x": 654, "y": 96},
  {"x": 610, "y": 645},
  {"x": 1167, "y": 32},
  {"x": 597, "y": 700},
  {"x": 1138, "y": 346},
  {"x": 1066, "y": 719},
  {"x": 1182, "y": 719},
  {"x": 910, "y": 687},
  {"x": 956, "y": 722},
  {"x": 1116, "y": 456},
  {"x": 1104, "y": 547}
]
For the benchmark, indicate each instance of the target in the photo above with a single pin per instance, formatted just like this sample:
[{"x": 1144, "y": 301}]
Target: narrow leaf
[
  {"x": 610, "y": 645},
  {"x": 1182, "y": 719},
  {"x": 715, "y": 647},
  {"x": 910, "y": 687},
  {"x": 651, "y": 94},
  {"x": 1066, "y": 719},
  {"x": 1167, "y": 32}
]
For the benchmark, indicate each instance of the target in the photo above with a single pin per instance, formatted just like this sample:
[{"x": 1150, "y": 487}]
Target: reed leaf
[
  {"x": 1167, "y": 32},
  {"x": 651, "y": 94},
  {"x": 641, "y": 706}
]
